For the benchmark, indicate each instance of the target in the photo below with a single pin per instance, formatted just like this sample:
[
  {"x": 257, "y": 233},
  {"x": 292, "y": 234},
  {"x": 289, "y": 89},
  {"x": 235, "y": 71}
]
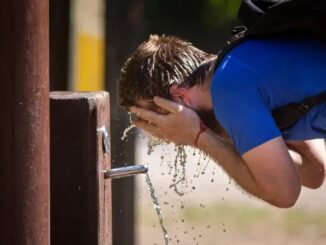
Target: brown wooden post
[
  {"x": 80, "y": 197},
  {"x": 24, "y": 123}
]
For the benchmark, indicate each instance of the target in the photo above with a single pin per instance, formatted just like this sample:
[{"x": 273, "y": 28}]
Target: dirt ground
[{"x": 214, "y": 211}]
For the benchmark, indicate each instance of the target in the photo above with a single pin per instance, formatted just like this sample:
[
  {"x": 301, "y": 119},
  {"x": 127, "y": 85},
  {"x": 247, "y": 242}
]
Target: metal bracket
[{"x": 105, "y": 139}]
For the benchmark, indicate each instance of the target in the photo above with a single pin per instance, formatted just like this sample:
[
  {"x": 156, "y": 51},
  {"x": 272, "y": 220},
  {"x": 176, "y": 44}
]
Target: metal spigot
[{"x": 125, "y": 171}]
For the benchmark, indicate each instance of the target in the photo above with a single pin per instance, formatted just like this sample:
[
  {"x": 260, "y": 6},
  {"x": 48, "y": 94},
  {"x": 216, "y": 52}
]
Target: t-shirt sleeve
[{"x": 239, "y": 106}]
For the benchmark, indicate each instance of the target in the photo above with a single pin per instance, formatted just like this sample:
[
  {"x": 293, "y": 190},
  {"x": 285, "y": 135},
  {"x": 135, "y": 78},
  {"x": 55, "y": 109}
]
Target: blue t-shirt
[{"x": 260, "y": 75}]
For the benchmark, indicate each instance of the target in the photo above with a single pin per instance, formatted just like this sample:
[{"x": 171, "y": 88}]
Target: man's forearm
[
  {"x": 310, "y": 158},
  {"x": 230, "y": 160}
]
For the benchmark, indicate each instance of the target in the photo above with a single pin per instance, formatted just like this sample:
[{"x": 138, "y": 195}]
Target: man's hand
[{"x": 180, "y": 125}]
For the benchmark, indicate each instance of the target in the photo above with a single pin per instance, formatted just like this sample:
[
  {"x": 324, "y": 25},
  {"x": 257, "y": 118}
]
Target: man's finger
[
  {"x": 168, "y": 105},
  {"x": 145, "y": 114},
  {"x": 146, "y": 126}
]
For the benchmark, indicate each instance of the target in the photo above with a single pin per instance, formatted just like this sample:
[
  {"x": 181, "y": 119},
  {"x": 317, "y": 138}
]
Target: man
[{"x": 175, "y": 92}]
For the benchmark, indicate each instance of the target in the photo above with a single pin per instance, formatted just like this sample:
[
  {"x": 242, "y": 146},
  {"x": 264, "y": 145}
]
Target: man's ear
[{"x": 179, "y": 93}]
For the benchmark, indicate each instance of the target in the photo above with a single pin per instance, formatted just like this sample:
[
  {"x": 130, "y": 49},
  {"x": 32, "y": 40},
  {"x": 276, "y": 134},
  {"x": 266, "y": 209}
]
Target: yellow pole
[{"x": 87, "y": 45}]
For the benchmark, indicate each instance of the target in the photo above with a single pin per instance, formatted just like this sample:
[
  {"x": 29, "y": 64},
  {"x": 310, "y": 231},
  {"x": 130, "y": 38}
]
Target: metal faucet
[
  {"x": 125, "y": 171},
  {"x": 116, "y": 173}
]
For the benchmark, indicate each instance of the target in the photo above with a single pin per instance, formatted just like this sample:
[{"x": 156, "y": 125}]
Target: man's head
[{"x": 162, "y": 66}]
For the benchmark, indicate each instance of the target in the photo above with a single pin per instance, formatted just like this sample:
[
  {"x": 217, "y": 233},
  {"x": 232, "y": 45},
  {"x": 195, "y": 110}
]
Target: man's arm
[
  {"x": 267, "y": 171},
  {"x": 262, "y": 171},
  {"x": 310, "y": 157}
]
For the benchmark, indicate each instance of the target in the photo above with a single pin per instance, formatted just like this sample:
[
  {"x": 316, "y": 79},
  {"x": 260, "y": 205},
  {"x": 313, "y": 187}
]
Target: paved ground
[{"x": 207, "y": 196}]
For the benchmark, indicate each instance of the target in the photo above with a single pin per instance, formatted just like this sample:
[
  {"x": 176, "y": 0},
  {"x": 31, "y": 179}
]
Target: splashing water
[
  {"x": 157, "y": 208},
  {"x": 177, "y": 168},
  {"x": 179, "y": 162},
  {"x": 126, "y": 131},
  {"x": 152, "y": 143}
]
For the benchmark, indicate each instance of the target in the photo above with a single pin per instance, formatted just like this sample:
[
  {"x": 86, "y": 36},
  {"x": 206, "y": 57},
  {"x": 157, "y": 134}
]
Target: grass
[
  {"x": 234, "y": 223},
  {"x": 246, "y": 216},
  {"x": 297, "y": 220}
]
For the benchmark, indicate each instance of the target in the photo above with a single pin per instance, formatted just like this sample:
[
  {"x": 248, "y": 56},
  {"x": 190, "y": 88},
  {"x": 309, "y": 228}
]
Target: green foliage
[
  {"x": 178, "y": 17},
  {"x": 189, "y": 17},
  {"x": 206, "y": 23},
  {"x": 220, "y": 12}
]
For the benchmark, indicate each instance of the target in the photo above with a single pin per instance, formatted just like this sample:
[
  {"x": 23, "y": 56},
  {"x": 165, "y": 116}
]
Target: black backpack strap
[
  {"x": 251, "y": 10},
  {"x": 288, "y": 115},
  {"x": 270, "y": 17},
  {"x": 239, "y": 34}
]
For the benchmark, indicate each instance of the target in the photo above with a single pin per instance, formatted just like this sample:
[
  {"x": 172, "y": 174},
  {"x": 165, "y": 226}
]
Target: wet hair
[{"x": 157, "y": 64}]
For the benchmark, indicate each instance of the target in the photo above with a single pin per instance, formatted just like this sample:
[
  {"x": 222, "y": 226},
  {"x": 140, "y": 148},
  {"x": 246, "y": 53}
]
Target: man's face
[
  {"x": 207, "y": 115},
  {"x": 209, "y": 119}
]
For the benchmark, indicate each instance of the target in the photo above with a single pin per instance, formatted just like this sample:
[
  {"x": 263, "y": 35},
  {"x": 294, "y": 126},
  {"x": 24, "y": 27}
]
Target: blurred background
[{"x": 89, "y": 42}]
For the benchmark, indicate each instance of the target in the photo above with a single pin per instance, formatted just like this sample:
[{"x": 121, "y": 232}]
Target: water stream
[
  {"x": 157, "y": 208},
  {"x": 177, "y": 168}
]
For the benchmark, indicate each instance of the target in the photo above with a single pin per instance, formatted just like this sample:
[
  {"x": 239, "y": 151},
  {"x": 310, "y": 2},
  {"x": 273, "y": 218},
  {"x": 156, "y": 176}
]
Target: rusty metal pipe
[{"x": 24, "y": 124}]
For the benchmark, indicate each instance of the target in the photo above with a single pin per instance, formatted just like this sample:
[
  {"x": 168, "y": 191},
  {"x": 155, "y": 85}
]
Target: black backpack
[{"x": 267, "y": 18}]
